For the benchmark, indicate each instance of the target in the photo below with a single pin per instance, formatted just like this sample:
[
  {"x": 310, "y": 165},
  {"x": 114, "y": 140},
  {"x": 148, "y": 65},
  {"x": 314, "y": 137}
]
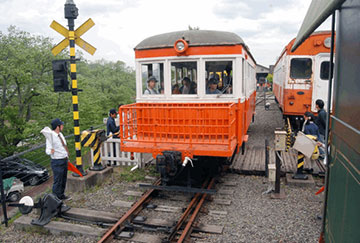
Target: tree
[
  {"x": 25, "y": 62},
  {"x": 28, "y": 102}
]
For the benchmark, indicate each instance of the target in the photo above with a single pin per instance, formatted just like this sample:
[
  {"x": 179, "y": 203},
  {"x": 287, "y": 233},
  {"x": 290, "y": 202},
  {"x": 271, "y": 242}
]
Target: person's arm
[
  {"x": 323, "y": 119},
  {"x": 49, "y": 148}
]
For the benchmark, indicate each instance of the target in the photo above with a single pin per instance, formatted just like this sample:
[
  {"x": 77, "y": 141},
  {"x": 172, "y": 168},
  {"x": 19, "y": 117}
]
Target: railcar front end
[
  {"x": 301, "y": 77},
  {"x": 195, "y": 101}
]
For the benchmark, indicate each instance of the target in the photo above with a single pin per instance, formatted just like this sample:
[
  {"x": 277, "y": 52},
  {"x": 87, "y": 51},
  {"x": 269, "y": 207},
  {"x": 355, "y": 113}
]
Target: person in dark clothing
[
  {"x": 112, "y": 129},
  {"x": 310, "y": 128},
  {"x": 110, "y": 124},
  {"x": 321, "y": 119}
]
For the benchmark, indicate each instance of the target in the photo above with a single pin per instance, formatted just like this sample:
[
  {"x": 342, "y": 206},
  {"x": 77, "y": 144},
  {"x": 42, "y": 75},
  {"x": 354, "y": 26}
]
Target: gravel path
[{"x": 251, "y": 217}]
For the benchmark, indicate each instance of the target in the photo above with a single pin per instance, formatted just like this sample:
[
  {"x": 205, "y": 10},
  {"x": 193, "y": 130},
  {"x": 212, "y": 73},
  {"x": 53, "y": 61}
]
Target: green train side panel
[
  {"x": 343, "y": 207},
  {"x": 342, "y": 221}
]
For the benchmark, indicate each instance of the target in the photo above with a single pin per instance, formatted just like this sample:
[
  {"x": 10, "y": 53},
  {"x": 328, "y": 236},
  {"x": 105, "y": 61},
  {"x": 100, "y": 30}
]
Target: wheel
[
  {"x": 14, "y": 196},
  {"x": 34, "y": 181}
]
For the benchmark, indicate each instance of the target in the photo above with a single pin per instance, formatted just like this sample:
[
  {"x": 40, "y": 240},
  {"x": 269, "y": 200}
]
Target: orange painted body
[
  {"x": 296, "y": 101},
  {"x": 196, "y": 129},
  {"x": 191, "y": 51}
]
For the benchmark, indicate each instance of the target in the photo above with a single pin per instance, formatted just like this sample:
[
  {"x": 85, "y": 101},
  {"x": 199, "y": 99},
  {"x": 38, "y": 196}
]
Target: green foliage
[
  {"x": 269, "y": 77},
  {"x": 28, "y": 102}
]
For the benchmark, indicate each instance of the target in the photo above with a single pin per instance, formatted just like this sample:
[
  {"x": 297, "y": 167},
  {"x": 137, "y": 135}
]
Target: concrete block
[
  {"x": 80, "y": 184},
  {"x": 296, "y": 182},
  {"x": 104, "y": 174}
]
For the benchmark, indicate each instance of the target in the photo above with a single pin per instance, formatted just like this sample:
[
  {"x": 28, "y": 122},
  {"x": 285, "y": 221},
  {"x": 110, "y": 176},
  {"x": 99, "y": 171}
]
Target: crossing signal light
[{"x": 60, "y": 73}]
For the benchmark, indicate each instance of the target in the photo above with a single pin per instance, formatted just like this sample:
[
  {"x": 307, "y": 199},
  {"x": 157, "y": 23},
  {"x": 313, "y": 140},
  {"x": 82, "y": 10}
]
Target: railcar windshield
[
  {"x": 184, "y": 78},
  {"x": 301, "y": 68},
  {"x": 152, "y": 76},
  {"x": 218, "y": 77}
]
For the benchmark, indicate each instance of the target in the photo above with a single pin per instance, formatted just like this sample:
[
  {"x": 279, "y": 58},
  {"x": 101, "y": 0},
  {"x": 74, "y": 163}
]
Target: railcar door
[{"x": 321, "y": 79}]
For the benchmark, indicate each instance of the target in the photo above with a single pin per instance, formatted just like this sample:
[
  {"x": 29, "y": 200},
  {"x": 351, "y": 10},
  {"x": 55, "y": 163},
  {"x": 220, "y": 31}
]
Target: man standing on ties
[{"x": 59, "y": 154}]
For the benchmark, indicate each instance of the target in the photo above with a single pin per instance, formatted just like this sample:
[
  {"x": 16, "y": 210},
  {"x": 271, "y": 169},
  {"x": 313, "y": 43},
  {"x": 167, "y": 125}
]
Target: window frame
[
  {"x": 142, "y": 90},
  {"x": 170, "y": 61},
  {"x": 301, "y": 58},
  {"x": 218, "y": 59}
]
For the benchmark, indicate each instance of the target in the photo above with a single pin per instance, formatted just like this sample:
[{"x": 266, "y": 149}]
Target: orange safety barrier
[{"x": 203, "y": 129}]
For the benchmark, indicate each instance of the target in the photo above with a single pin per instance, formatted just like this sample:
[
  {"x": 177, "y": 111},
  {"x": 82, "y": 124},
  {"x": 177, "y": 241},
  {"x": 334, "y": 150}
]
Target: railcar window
[
  {"x": 218, "y": 77},
  {"x": 183, "y": 78},
  {"x": 324, "y": 70},
  {"x": 301, "y": 68},
  {"x": 152, "y": 76}
]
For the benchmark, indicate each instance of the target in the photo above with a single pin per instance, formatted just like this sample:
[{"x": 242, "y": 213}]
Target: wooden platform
[{"x": 253, "y": 162}]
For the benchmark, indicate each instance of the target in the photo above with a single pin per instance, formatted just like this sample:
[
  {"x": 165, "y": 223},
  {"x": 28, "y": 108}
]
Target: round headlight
[
  {"x": 180, "y": 46},
  {"x": 327, "y": 42}
]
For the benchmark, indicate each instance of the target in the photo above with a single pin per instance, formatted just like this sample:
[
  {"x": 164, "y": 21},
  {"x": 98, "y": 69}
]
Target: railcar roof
[{"x": 193, "y": 37}]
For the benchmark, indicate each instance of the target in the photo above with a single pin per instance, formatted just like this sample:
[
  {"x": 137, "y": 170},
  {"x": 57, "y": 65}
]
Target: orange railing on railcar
[{"x": 203, "y": 129}]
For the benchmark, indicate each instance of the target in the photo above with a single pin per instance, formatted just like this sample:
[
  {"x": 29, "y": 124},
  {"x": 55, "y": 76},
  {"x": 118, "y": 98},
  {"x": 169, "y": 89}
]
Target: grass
[{"x": 124, "y": 174}]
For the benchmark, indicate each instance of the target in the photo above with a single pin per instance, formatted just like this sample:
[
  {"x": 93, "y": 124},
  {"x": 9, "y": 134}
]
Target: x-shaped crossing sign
[{"x": 77, "y": 33}]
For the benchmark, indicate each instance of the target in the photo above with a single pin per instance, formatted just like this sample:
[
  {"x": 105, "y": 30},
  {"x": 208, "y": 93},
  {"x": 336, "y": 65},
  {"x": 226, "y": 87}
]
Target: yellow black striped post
[
  {"x": 93, "y": 140},
  {"x": 288, "y": 135},
  {"x": 71, "y": 16},
  {"x": 300, "y": 167}
]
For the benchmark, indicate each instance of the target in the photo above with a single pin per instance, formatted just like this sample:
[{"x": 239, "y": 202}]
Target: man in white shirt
[{"x": 59, "y": 154}]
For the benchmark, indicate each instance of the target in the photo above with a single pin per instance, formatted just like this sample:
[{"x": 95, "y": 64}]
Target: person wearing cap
[
  {"x": 57, "y": 149},
  {"x": 212, "y": 89},
  {"x": 151, "y": 83}
]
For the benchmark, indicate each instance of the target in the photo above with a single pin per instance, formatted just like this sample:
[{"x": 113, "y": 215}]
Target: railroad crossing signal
[{"x": 74, "y": 35}]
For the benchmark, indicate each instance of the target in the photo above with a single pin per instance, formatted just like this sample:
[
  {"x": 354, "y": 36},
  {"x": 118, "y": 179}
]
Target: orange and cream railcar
[
  {"x": 301, "y": 77},
  {"x": 184, "y": 117}
]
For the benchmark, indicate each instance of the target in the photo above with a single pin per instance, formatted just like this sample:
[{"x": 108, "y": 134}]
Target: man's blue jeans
[{"x": 59, "y": 168}]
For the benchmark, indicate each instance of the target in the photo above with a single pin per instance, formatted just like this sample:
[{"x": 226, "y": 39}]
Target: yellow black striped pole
[
  {"x": 300, "y": 167},
  {"x": 71, "y": 16}
]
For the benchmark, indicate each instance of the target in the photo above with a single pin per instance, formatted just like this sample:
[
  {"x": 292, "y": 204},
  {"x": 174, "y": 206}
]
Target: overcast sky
[{"x": 266, "y": 26}]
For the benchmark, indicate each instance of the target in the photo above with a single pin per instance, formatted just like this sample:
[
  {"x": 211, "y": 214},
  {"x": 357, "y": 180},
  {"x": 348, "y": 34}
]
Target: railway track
[{"x": 179, "y": 232}]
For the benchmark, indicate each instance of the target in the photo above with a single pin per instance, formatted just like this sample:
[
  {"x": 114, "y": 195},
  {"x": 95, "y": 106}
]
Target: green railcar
[{"x": 341, "y": 222}]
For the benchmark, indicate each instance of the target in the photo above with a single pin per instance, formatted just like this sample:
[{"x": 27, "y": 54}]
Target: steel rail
[
  {"x": 109, "y": 235},
  {"x": 188, "y": 228},
  {"x": 185, "y": 214}
]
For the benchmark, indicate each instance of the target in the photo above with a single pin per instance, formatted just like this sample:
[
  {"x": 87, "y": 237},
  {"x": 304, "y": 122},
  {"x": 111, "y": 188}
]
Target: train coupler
[{"x": 168, "y": 165}]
